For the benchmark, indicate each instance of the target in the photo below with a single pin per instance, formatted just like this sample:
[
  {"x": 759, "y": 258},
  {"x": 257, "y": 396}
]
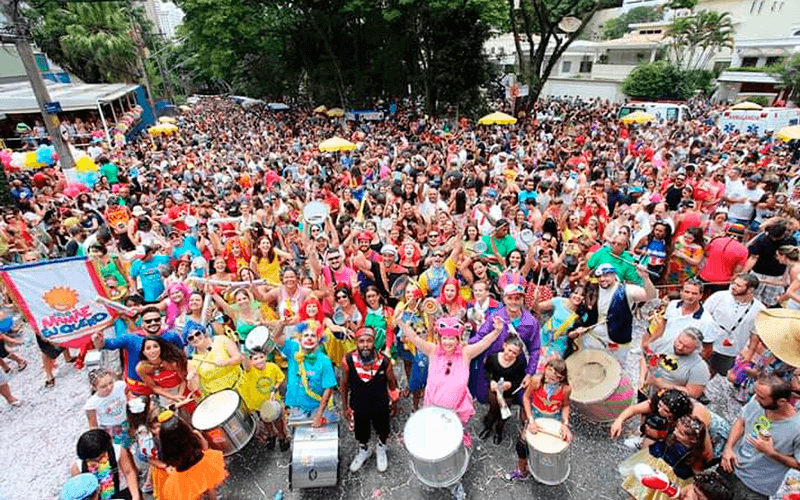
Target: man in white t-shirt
[
  {"x": 742, "y": 199},
  {"x": 681, "y": 314},
  {"x": 734, "y": 313}
]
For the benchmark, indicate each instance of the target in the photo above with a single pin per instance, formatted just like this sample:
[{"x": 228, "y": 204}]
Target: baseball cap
[
  {"x": 604, "y": 269},
  {"x": 391, "y": 249},
  {"x": 79, "y": 487},
  {"x": 513, "y": 289}
]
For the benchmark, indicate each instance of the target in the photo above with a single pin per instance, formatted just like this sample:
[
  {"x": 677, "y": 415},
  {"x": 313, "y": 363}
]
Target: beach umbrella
[
  {"x": 336, "y": 144},
  {"x": 747, "y": 105},
  {"x": 789, "y": 133},
  {"x": 497, "y": 118},
  {"x": 335, "y": 112},
  {"x": 638, "y": 117}
]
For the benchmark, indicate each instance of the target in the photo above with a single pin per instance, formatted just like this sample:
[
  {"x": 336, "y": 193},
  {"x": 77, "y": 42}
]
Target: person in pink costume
[{"x": 448, "y": 372}]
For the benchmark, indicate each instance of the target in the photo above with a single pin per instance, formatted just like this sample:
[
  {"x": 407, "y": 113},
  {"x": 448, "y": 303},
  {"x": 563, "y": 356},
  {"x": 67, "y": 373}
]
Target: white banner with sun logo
[{"x": 58, "y": 298}]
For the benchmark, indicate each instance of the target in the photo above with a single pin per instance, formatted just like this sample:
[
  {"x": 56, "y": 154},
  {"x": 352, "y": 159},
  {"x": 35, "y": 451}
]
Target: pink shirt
[{"x": 447, "y": 384}]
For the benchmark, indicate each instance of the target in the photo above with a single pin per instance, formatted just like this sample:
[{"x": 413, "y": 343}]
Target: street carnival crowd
[{"x": 450, "y": 263}]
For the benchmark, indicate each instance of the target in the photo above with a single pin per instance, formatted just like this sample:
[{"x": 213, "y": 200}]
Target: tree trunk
[{"x": 334, "y": 61}]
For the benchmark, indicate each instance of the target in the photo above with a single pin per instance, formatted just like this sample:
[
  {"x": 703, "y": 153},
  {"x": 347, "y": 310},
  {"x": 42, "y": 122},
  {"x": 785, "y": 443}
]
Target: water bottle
[{"x": 747, "y": 450}]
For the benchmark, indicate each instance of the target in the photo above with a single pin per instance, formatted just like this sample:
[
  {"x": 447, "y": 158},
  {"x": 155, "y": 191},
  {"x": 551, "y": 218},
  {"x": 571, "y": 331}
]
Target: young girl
[
  {"x": 547, "y": 396},
  {"x": 506, "y": 367},
  {"x": 105, "y": 409}
]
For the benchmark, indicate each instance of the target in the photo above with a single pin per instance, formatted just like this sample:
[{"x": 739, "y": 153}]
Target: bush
[
  {"x": 760, "y": 100},
  {"x": 659, "y": 80}
]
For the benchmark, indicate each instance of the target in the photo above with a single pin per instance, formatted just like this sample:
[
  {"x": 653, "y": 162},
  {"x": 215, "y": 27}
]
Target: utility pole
[
  {"x": 25, "y": 52},
  {"x": 139, "y": 42}
]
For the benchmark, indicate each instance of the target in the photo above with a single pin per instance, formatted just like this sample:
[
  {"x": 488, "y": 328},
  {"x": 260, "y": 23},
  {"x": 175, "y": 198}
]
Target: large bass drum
[
  {"x": 434, "y": 438},
  {"x": 224, "y": 421}
]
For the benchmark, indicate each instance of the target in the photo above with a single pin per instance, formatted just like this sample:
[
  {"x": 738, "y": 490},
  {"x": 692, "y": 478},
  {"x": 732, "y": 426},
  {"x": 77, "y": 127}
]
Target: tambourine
[
  {"x": 386, "y": 224},
  {"x": 315, "y": 212},
  {"x": 399, "y": 286},
  {"x": 480, "y": 247},
  {"x": 339, "y": 318},
  {"x": 190, "y": 221},
  {"x": 526, "y": 236}
]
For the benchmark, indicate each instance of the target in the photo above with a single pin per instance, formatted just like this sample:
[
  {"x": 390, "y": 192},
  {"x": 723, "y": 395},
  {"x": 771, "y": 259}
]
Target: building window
[
  {"x": 566, "y": 66},
  {"x": 749, "y": 62},
  {"x": 774, "y": 60},
  {"x": 586, "y": 67}
]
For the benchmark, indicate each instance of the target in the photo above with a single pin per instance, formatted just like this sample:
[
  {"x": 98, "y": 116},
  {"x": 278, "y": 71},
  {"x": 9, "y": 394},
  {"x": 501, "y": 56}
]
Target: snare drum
[
  {"x": 434, "y": 437},
  {"x": 315, "y": 457},
  {"x": 608, "y": 409},
  {"x": 259, "y": 337},
  {"x": 548, "y": 454},
  {"x": 224, "y": 421}
]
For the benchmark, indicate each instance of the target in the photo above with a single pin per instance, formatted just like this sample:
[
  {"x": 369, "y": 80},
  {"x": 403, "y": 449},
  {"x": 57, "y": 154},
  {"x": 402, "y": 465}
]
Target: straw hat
[
  {"x": 779, "y": 329},
  {"x": 593, "y": 375}
]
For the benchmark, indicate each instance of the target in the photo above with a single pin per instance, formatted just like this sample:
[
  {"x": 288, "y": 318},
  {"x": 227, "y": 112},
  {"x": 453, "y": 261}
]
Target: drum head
[
  {"x": 547, "y": 441},
  {"x": 257, "y": 338},
  {"x": 593, "y": 375},
  {"x": 339, "y": 317},
  {"x": 479, "y": 247},
  {"x": 190, "y": 221},
  {"x": 315, "y": 212},
  {"x": 433, "y": 433},
  {"x": 215, "y": 409}
]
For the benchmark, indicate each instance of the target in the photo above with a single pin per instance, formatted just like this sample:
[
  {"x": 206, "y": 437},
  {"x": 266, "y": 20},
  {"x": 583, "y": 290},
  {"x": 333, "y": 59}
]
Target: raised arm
[
  {"x": 427, "y": 348},
  {"x": 472, "y": 351}
]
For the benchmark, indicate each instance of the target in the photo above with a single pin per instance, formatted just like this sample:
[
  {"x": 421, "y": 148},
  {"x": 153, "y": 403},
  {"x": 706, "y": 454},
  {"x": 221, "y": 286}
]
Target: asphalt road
[{"x": 257, "y": 473}]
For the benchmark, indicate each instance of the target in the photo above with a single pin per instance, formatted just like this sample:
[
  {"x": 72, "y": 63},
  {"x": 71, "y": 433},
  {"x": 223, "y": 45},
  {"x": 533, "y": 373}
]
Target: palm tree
[
  {"x": 707, "y": 31},
  {"x": 717, "y": 33}
]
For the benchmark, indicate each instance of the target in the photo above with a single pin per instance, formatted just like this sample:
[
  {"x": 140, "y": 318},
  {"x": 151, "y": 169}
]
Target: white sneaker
[
  {"x": 361, "y": 457},
  {"x": 633, "y": 442},
  {"x": 380, "y": 457}
]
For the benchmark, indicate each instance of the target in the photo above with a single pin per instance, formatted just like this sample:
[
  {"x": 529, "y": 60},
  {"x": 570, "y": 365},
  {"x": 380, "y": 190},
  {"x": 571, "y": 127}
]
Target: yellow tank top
[
  {"x": 215, "y": 378},
  {"x": 270, "y": 271}
]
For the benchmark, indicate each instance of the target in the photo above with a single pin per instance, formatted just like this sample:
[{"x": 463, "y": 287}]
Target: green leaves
[
  {"x": 617, "y": 27},
  {"x": 662, "y": 80}
]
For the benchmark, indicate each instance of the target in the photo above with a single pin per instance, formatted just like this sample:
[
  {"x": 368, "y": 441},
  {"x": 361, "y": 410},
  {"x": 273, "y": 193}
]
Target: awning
[{"x": 18, "y": 98}]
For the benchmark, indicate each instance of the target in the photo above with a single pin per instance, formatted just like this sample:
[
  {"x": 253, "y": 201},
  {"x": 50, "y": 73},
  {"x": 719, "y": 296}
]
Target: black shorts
[
  {"x": 3, "y": 350},
  {"x": 378, "y": 420},
  {"x": 48, "y": 348},
  {"x": 721, "y": 363}
]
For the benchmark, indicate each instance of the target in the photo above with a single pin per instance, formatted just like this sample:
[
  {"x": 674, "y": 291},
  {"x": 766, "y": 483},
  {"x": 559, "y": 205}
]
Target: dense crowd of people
[{"x": 460, "y": 266}]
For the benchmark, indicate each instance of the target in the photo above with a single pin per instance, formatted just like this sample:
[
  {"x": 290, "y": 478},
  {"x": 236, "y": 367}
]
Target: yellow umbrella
[
  {"x": 167, "y": 119},
  {"x": 637, "y": 117},
  {"x": 497, "y": 118},
  {"x": 747, "y": 105},
  {"x": 336, "y": 144},
  {"x": 321, "y": 109},
  {"x": 185, "y": 108},
  {"x": 789, "y": 133},
  {"x": 335, "y": 112},
  {"x": 163, "y": 129}
]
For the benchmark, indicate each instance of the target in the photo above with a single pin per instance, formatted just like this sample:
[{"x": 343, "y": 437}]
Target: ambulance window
[{"x": 672, "y": 113}]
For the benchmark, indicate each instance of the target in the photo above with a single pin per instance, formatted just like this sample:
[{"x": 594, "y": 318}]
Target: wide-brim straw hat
[
  {"x": 593, "y": 375},
  {"x": 779, "y": 329}
]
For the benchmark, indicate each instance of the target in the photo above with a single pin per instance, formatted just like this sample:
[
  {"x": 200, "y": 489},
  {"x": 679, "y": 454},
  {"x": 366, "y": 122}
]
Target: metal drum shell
[
  {"x": 315, "y": 457},
  {"x": 448, "y": 468},
  {"x": 550, "y": 468},
  {"x": 234, "y": 432}
]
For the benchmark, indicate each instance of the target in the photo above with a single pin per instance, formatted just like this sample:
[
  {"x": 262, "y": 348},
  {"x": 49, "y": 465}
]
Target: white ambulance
[
  {"x": 757, "y": 121},
  {"x": 669, "y": 111}
]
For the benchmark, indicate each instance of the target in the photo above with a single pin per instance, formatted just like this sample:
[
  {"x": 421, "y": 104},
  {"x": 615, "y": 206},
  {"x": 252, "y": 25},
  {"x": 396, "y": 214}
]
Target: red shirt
[{"x": 724, "y": 255}]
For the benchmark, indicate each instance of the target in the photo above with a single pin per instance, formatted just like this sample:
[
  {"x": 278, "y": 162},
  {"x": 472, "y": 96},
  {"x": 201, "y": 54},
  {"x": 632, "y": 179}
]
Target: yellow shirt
[
  {"x": 215, "y": 378},
  {"x": 257, "y": 385},
  {"x": 270, "y": 271}
]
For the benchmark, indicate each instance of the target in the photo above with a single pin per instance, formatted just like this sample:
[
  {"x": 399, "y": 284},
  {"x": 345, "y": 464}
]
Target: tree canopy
[{"x": 617, "y": 27}]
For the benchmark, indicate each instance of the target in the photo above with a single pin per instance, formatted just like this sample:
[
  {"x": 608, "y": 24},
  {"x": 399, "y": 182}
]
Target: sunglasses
[
  {"x": 438, "y": 255},
  {"x": 193, "y": 336},
  {"x": 447, "y": 371},
  {"x": 151, "y": 321},
  {"x": 341, "y": 296}
]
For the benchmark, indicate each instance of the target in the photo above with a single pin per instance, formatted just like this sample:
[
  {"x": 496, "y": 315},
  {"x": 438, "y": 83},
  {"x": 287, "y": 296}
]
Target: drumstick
[
  {"x": 113, "y": 305},
  {"x": 653, "y": 273}
]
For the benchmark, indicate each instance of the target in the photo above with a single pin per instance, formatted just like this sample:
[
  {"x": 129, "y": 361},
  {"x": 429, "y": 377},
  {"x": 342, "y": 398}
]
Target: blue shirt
[
  {"x": 320, "y": 376},
  {"x": 188, "y": 245},
  {"x": 152, "y": 282},
  {"x": 132, "y": 344}
]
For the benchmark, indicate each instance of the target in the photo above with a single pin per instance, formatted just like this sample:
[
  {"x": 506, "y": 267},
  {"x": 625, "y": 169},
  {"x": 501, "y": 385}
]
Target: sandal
[
  {"x": 50, "y": 383},
  {"x": 516, "y": 475}
]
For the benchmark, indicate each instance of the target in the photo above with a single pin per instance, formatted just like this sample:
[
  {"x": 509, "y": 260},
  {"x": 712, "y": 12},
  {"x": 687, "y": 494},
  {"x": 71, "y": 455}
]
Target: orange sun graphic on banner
[{"x": 61, "y": 298}]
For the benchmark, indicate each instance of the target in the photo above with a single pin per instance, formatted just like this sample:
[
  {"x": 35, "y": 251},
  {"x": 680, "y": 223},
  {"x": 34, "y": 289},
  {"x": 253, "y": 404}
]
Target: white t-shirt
[
  {"x": 678, "y": 322},
  {"x": 734, "y": 321},
  {"x": 110, "y": 409}
]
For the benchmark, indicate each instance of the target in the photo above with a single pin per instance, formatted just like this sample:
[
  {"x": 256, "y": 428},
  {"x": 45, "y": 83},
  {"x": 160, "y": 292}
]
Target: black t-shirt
[
  {"x": 514, "y": 373},
  {"x": 673, "y": 197},
  {"x": 765, "y": 247}
]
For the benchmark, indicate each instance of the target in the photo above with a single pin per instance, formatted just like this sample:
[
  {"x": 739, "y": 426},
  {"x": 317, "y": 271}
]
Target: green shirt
[
  {"x": 625, "y": 272},
  {"x": 504, "y": 245},
  {"x": 110, "y": 172}
]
